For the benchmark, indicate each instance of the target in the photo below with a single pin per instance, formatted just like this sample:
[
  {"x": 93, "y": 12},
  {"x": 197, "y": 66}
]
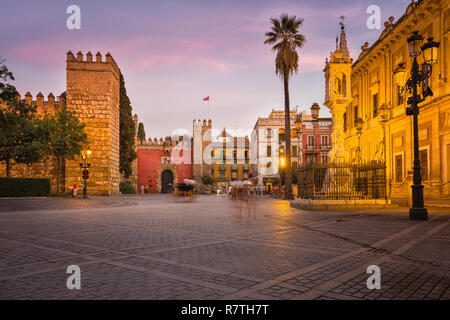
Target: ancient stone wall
[{"x": 93, "y": 93}]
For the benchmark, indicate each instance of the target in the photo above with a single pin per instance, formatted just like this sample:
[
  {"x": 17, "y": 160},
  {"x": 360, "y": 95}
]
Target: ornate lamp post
[
  {"x": 384, "y": 117},
  {"x": 430, "y": 56},
  {"x": 85, "y": 154},
  {"x": 315, "y": 109},
  {"x": 359, "y": 126},
  {"x": 299, "y": 130}
]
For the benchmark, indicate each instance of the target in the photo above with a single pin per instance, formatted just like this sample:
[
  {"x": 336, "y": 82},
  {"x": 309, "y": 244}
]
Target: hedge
[
  {"x": 24, "y": 187},
  {"x": 126, "y": 188}
]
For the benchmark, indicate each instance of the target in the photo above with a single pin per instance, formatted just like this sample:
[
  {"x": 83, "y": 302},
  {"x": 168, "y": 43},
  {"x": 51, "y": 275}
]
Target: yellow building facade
[
  {"x": 359, "y": 89},
  {"x": 230, "y": 159}
]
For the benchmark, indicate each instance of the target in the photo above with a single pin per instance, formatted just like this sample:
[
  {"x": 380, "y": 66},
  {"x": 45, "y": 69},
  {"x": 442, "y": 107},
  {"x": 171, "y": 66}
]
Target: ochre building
[
  {"x": 92, "y": 91},
  {"x": 359, "y": 89}
]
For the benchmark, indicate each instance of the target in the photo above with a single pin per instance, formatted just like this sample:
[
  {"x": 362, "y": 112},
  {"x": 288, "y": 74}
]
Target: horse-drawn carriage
[{"x": 185, "y": 190}]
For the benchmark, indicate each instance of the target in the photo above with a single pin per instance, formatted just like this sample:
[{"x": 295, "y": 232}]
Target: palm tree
[{"x": 286, "y": 40}]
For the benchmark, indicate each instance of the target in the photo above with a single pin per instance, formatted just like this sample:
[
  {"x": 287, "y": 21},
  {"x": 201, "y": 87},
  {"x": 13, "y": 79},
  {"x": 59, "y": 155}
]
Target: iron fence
[{"x": 342, "y": 181}]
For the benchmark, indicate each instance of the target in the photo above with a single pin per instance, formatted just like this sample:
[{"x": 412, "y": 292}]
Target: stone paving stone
[
  {"x": 401, "y": 281},
  {"x": 151, "y": 247}
]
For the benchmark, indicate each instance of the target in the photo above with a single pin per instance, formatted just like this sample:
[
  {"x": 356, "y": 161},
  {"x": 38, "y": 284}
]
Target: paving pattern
[{"x": 151, "y": 247}]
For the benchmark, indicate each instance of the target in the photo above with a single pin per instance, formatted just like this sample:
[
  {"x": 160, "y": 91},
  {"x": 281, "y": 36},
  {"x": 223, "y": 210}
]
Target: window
[
  {"x": 212, "y": 153},
  {"x": 310, "y": 157},
  {"x": 294, "y": 151},
  {"x": 423, "y": 157},
  {"x": 222, "y": 175},
  {"x": 310, "y": 141},
  {"x": 269, "y": 151},
  {"x": 324, "y": 140},
  {"x": 345, "y": 121},
  {"x": 324, "y": 158},
  {"x": 398, "y": 168},
  {"x": 375, "y": 104},
  {"x": 281, "y": 150},
  {"x": 269, "y": 133},
  {"x": 399, "y": 96},
  {"x": 234, "y": 154},
  {"x": 294, "y": 165},
  {"x": 355, "y": 114},
  {"x": 246, "y": 154},
  {"x": 426, "y": 82},
  {"x": 269, "y": 164}
]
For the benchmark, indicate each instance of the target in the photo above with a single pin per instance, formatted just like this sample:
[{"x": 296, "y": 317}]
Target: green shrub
[
  {"x": 207, "y": 180},
  {"x": 126, "y": 188},
  {"x": 24, "y": 187}
]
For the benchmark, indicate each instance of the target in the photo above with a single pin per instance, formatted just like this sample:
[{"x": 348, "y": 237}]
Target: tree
[
  {"x": 127, "y": 132},
  {"x": 18, "y": 134},
  {"x": 17, "y": 127},
  {"x": 141, "y": 132},
  {"x": 286, "y": 40},
  {"x": 62, "y": 137},
  {"x": 7, "y": 91},
  {"x": 207, "y": 180}
]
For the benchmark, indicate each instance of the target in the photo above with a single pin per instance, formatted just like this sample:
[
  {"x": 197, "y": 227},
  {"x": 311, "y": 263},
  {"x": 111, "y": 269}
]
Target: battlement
[
  {"x": 78, "y": 62},
  {"x": 202, "y": 124},
  {"x": 167, "y": 142},
  {"x": 50, "y": 106}
]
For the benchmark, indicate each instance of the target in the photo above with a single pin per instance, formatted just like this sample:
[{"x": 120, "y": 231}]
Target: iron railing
[{"x": 342, "y": 181}]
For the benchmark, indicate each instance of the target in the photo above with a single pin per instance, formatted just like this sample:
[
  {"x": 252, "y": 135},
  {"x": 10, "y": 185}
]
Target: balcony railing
[{"x": 325, "y": 146}]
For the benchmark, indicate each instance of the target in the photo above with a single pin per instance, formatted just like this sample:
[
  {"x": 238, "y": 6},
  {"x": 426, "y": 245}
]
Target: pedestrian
[
  {"x": 74, "y": 190},
  {"x": 142, "y": 189}
]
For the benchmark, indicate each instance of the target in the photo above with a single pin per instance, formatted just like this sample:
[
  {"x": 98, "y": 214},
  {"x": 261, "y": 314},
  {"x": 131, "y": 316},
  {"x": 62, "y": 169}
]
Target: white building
[{"x": 267, "y": 144}]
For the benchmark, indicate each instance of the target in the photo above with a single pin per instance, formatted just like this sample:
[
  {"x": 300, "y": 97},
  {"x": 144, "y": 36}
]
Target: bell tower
[{"x": 338, "y": 91}]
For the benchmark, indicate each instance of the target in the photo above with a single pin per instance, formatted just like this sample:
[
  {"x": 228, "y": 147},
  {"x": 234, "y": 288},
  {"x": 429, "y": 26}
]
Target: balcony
[
  {"x": 325, "y": 147},
  {"x": 310, "y": 146}
]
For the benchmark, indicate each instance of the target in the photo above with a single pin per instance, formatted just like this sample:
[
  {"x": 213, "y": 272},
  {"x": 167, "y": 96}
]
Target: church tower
[{"x": 338, "y": 91}]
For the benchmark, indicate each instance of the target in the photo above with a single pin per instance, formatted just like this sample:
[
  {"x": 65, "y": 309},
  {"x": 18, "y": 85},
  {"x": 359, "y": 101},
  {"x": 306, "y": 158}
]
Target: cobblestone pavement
[{"x": 152, "y": 247}]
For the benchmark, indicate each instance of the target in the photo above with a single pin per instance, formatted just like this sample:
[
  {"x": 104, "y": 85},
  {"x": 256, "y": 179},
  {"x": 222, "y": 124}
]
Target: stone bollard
[{"x": 409, "y": 184}]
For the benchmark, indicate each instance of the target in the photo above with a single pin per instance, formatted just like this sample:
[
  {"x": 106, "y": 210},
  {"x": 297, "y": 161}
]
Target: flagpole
[{"x": 208, "y": 108}]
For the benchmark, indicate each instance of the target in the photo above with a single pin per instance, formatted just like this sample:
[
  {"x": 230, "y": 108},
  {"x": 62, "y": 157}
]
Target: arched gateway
[{"x": 166, "y": 180}]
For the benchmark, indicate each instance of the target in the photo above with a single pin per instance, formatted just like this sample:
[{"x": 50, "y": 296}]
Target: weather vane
[{"x": 341, "y": 23}]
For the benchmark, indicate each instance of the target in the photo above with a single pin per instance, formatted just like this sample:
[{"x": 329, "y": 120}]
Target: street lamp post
[
  {"x": 359, "y": 126},
  {"x": 299, "y": 130},
  {"x": 430, "y": 55},
  {"x": 315, "y": 109},
  {"x": 85, "y": 154},
  {"x": 384, "y": 117}
]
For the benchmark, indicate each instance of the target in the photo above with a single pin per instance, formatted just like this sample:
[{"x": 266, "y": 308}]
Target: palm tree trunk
[
  {"x": 8, "y": 168},
  {"x": 57, "y": 175},
  {"x": 287, "y": 136}
]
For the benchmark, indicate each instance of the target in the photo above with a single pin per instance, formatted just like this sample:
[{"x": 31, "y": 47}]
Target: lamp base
[{"x": 418, "y": 214}]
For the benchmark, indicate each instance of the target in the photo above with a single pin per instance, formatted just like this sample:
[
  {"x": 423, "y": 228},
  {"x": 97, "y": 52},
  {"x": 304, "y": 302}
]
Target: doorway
[{"x": 166, "y": 181}]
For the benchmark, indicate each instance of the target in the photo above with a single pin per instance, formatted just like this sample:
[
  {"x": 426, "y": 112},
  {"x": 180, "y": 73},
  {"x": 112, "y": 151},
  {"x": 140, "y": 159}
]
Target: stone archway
[
  {"x": 166, "y": 181},
  {"x": 166, "y": 167}
]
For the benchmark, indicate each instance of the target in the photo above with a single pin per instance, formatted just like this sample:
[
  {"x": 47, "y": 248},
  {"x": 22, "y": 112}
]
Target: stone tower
[
  {"x": 93, "y": 93},
  {"x": 202, "y": 137},
  {"x": 338, "y": 92}
]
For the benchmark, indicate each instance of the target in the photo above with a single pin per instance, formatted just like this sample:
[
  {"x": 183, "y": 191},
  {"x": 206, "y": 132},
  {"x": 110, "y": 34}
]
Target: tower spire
[{"x": 343, "y": 41}]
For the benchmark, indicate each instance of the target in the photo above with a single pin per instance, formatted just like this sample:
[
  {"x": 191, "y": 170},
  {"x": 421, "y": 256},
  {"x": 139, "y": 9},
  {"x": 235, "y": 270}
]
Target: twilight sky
[{"x": 173, "y": 53}]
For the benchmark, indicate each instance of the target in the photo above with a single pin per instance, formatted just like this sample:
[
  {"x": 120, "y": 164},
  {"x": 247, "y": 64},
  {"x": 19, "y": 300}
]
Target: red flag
[{"x": 206, "y": 99}]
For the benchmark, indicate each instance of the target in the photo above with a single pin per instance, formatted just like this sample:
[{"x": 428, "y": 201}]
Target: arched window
[
  {"x": 337, "y": 86},
  {"x": 344, "y": 85}
]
